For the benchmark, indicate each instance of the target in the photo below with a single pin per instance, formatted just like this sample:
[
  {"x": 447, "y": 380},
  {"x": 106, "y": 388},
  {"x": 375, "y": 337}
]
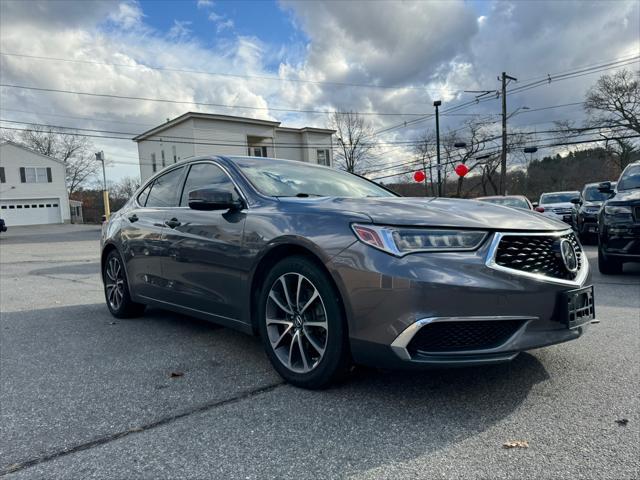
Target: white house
[
  {"x": 32, "y": 187},
  {"x": 195, "y": 134}
]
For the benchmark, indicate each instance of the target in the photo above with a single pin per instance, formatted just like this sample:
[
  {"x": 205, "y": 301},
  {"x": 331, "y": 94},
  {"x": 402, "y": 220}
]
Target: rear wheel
[
  {"x": 302, "y": 325},
  {"x": 116, "y": 288},
  {"x": 608, "y": 265}
]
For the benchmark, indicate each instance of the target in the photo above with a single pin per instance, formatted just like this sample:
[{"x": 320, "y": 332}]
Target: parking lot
[{"x": 84, "y": 395}]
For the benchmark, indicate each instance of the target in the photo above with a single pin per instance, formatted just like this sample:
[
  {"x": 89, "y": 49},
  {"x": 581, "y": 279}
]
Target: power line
[
  {"x": 495, "y": 152},
  {"x": 230, "y": 75},
  {"x": 550, "y": 79},
  {"x": 203, "y": 104}
]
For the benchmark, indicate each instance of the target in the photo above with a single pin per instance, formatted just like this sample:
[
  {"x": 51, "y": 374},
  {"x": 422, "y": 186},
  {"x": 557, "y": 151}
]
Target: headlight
[
  {"x": 617, "y": 210},
  {"x": 401, "y": 241}
]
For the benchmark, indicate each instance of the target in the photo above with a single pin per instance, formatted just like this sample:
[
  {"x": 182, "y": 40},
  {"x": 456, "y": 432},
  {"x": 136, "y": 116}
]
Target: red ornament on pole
[
  {"x": 461, "y": 170},
  {"x": 419, "y": 176}
]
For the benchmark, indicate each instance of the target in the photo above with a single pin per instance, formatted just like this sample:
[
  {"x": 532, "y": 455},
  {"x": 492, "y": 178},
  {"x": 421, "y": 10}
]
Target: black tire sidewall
[
  {"x": 336, "y": 355},
  {"x": 127, "y": 308}
]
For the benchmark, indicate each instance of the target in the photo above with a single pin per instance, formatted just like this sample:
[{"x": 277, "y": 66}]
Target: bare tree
[
  {"x": 353, "y": 135},
  {"x": 424, "y": 150},
  {"x": 124, "y": 188},
  {"x": 614, "y": 100},
  {"x": 76, "y": 152}
]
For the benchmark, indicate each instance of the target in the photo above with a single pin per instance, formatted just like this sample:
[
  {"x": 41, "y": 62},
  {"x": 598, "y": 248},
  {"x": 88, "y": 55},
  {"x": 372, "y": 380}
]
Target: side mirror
[
  {"x": 539, "y": 209},
  {"x": 605, "y": 187},
  {"x": 212, "y": 199},
  {"x": 576, "y": 200}
]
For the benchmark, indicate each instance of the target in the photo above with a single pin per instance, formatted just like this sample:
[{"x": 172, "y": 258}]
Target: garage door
[{"x": 30, "y": 212}]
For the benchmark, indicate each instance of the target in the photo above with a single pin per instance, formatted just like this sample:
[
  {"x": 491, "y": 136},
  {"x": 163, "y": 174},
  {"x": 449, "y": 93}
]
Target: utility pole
[
  {"x": 436, "y": 104},
  {"x": 503, "y": 158},
  {"x": 105, "y": 192}
]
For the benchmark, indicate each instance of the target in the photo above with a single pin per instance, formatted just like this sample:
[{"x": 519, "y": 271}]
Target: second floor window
[
  {"x": 323, "y": 157},
  {"x": 173, "y": 152},
  {"x": 154, "y": 167},
  {"x": 35, "y": 175},
  {"x": 163, "y": 161}
]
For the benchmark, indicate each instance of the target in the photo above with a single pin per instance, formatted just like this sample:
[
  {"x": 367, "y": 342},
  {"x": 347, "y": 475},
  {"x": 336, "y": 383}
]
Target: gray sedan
[{"x": 331, "y": 269}]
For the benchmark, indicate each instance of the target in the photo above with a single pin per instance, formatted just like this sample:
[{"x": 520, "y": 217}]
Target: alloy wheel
[
  {"x": 296, "y": 321},
  {"x": 114, "y": 283}
]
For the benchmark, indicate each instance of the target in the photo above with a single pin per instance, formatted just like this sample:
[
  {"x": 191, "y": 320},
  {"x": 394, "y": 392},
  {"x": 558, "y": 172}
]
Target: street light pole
[
  {"x": 436, "y": 104},
  {"x": 105, "y": 192}
]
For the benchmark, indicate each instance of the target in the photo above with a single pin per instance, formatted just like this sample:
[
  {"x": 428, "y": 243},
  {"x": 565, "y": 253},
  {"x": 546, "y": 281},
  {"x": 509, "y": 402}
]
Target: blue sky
[{"x": 215, "y": 24}]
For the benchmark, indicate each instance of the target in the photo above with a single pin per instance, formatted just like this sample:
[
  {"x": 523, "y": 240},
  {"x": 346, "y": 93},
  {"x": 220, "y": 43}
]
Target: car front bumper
[
  {"x": 621, "y": 239},
  {"x": 389, "y": 300}
]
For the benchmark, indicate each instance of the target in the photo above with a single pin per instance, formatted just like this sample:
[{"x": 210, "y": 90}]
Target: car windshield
[
  {"x": 508, "y": 201},
  {"x": 592, "y": 194},
  {"x": 290, "y": 179},
  {"x": 630, "y": 178},
  {"x": 561, "y": 197}
]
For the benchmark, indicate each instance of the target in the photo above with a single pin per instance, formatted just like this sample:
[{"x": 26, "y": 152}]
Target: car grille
[
  {"x": 463, "y": 336},
  {"x": 561, "y": 211},
  {"x": 539, "y": 254}
]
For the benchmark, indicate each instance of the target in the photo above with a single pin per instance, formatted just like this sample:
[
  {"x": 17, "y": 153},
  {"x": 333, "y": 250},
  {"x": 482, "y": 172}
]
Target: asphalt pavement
[{"x": 84, "y": 395}]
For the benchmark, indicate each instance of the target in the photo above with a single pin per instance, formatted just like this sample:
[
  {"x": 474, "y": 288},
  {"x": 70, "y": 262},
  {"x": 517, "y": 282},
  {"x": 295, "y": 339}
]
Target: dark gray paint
[{"x": 206, "y": 266}]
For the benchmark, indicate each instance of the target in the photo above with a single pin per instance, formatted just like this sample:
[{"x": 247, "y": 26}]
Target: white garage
[
  {"x": 32, "y": 187},
  {"x": 35, "y": 211}
]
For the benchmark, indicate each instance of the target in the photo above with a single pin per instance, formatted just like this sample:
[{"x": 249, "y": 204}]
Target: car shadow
[{"x": 96, "y": 371}]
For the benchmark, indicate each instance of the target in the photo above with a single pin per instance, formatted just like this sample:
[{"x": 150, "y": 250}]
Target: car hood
[
  {"x": 592, "y": 204},
  {"x": 441, "y": 212},
  {"x": 626, "y": 196}
]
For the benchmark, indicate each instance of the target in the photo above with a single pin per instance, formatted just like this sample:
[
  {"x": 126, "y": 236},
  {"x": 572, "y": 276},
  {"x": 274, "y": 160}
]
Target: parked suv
[
  {"x": 560, "y": 205},
  {"x": 591, "y": 200},
  {"x": 619, "y": 220}
]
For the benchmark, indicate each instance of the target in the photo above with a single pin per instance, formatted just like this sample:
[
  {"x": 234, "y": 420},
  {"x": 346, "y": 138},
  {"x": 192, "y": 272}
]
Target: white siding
[
  {"x": 154, "y": 145},
  {"x": 288, "y": 145},
  {"x": 213, "y": 136},
  {"x": 12, "y": 158}
]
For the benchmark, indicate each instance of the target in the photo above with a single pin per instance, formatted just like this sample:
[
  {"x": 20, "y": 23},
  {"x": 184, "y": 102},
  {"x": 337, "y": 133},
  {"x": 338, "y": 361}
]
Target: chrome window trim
[
  {"x": 187, "y": 165},
  {"x": 491, "y": 259},
  {"x": 399, "y": 345}
]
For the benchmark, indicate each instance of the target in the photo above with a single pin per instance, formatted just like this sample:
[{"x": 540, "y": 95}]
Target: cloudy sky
[{"x": 389, "y": 60}]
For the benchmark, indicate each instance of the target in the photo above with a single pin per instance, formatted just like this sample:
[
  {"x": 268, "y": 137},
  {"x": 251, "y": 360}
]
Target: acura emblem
[{"x": 568, "y": 254}]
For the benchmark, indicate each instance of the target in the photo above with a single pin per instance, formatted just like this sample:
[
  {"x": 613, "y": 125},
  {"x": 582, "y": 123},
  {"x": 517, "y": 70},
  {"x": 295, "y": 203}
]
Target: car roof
[{"x": 595, "y": 184}]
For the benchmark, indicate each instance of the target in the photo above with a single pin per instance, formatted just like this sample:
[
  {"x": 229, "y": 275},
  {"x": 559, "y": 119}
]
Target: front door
[
  {"x": 205, "y": 249},
  {"x": 143, "y": 244}
]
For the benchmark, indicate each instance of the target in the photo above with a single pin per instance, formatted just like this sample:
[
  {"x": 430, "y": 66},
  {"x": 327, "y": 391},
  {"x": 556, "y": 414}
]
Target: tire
[
  {"x": 304, "y": 334},
  {"x": 608, "y": 265},
  {"x": 116, "y": 288}
]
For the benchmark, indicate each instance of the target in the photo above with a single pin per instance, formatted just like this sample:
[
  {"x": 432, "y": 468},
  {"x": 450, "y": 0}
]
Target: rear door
[
  {"x": 205, "y": 252},
  {"x": 142, "y": 237}
]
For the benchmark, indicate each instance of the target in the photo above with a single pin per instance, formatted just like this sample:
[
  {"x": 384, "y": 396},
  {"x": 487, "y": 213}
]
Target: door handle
[
  {"x": 173, "y": 223},
  {"x": 133, "y": 218}
]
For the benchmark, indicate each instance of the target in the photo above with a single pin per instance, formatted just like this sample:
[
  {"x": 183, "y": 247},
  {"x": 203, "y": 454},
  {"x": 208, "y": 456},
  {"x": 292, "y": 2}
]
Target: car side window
[
  {"x": 203, "y": 175},
  {"x": 165, "y": 188},
  {"x": 142, "y": 197}
]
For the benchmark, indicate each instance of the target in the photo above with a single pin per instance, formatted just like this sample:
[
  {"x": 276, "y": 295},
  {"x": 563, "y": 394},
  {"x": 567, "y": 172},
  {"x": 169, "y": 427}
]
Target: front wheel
[
  {"x": 116, "y": 288},
  {"x": 608, "y": 265},
  {"x": 302, "y": 325}
]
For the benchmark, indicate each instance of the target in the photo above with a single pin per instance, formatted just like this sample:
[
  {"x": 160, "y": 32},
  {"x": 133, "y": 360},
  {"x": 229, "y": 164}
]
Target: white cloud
[
  {"x": 205, "y": 3},
  {"x": 128, "y": 15},
  {"x": 427, "y": 49},
  {"x": 180, "y": 29}
]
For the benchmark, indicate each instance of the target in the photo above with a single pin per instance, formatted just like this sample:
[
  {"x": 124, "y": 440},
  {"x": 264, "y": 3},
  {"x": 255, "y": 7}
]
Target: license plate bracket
[{"x": 576, "y": 307}]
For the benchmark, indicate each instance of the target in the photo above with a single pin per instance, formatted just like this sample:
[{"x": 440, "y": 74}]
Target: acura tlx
[{"x": 331, "y": 269}]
